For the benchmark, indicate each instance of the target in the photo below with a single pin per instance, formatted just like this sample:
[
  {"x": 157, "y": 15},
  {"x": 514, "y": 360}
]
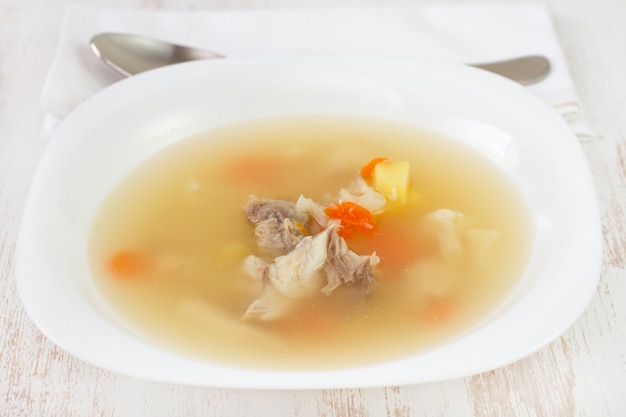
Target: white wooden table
[{"x": 582, "y": 373}]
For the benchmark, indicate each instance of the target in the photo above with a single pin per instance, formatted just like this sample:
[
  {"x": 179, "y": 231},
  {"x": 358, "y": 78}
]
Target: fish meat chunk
[
  {"x": 318, "y": 264},
  {"x": 278, "y": 225}
]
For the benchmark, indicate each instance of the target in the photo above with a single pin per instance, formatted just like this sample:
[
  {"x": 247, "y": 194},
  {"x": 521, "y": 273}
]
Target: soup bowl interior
[{"x": 110, "y": 134}]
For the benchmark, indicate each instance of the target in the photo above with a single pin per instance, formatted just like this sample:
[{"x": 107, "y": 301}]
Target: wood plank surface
[{"x": 582, "y": 373}]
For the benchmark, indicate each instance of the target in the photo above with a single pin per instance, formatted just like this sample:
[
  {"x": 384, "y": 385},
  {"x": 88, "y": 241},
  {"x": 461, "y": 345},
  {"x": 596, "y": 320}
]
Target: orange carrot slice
[
  {"x": 310, "y": 321},
  {"x": 396, "y": 244},
  {"x": 254, "y": 170},
  {"x": 368, "y": 170},
  {"x": 439, "y": 310},
  {"x": 352, "y": 216},
  {"x": 127, "y": 264}
]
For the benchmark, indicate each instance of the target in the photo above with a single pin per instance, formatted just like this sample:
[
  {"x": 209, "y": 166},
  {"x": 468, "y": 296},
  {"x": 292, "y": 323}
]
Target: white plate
[{"x": 112, "y": 132}]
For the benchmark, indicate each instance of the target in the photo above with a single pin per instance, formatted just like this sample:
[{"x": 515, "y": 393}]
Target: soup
[{"x": 310, "y": 242}]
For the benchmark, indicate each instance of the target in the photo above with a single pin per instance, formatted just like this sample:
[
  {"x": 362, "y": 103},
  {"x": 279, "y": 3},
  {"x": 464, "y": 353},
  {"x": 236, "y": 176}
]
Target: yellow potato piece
[{"x": 392, "y": 179}]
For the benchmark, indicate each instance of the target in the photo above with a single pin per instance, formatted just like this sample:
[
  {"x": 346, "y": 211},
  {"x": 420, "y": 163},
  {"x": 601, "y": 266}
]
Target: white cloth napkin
[{"x": 467, "y": 33}]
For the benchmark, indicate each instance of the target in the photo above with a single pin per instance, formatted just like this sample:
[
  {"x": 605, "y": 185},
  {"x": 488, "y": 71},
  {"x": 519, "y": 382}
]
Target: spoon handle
[{"x": 132, "y": 54}]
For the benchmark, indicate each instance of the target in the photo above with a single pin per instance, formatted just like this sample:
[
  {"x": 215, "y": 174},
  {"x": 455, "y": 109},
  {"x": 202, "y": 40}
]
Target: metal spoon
[{"x": 132, "y": 54}]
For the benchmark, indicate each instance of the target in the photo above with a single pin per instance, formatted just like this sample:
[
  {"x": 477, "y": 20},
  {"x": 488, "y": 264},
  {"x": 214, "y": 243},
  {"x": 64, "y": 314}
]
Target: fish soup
[{"x": 310, "y": 242}]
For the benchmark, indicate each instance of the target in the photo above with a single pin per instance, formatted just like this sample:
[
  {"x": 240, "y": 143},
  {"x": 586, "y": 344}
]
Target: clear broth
[{"x": 183, "y": 207}]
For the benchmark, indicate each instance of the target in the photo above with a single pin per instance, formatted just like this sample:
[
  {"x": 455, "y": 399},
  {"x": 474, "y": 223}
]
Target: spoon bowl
[{"x": 131, "y": 54}]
